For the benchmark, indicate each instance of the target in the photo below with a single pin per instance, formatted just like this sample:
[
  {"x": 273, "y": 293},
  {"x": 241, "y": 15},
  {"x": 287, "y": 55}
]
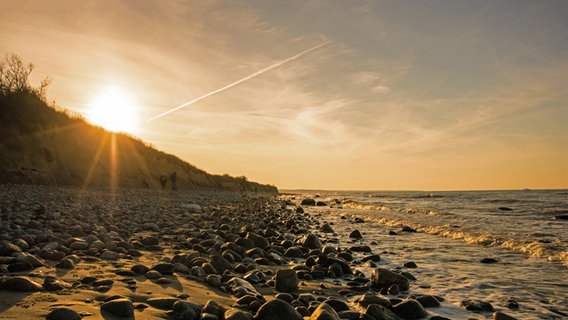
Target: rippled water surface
[{"x": 521, "y": 230}]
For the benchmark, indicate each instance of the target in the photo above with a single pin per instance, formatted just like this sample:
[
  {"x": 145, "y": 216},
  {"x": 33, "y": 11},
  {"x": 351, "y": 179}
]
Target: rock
[
  {"x": 368, "y": 298},
  {"x": 7, "y": 249},
  {"x": 236, "y": 314},
  {"x": 502, "y": 316},
  {"x": 65, "y": 264},
  {"x": 110, "y": 255},
  {"x": 410, "y": 265},
  {"x": 427, "y": 301},
  {"x": 326, "y": 228},
  {"x": 191, "y": 207},
  {"x": 259, "y": 241},
  {"x": 164, "y": 268},
  {"x": 20, "y": 284},
  {"x": 240, "y": 287},
  {"x": 321, "y": 204},
  {"x": 139, "y": 269},
  {"x": 408, "y": 229},
  {"x": 294, "y": 252},
  {"x": 356, "y": 234},
  {"x": 308, "y": 202},
  {"x": 379, "y": 312},
  {"x": 410, "y": 309},
  {"x": 286, "y": 280},
  {"x": 20, "y": 266},
  {"x": 488, "y": 260},
  {"x": 213, "y": 280},
  {"x": 337, "y": 305},
  {"x": 277, "y": 310},
  {"x": 505, "y": 209},
  {"x": 220, "y": 264},
  {"x": 310, "y": 241},
  {"x": 299, "y": 210},
  {"x": 184, "y": 310},
  {"x": 63, "y": 314},
  {"x": 162, "y": 303},
  {"x": 121, "y": 307},
  {"x": 153, "y": 275},
  {"x": 384, "y": 278},
  {"x": 477, "y": 306},
  {"x": 150, "y": 241},
  {"x": 324, "y": 312}
]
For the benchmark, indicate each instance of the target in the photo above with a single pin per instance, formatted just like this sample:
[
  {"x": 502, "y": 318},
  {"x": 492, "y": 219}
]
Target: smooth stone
[
  {"x": 259, "y": 241},
  {"x": 63, "y": 314},
  {"x": 220, "y": 264},
  {"x": 110, "y": 255},
  {"x": 164, "y": 268},
  {"x": 368, "y": 298},
  {"x": 384, "y": 278},
  {"x": 120, "y": 307},
  {"x": 410, "y": 309},
  {"x": 20, "y": 284},
  {"x": 286, "y": 280},
  {"x": 379, "y": 312},
  {"x": 477, "y": 306},
  {"x": 140, "y": 269},
  {"x": 153, "y": 275},
  {"x": 236, "y": 314},
  {"x": 277, "y": 310},
  {"x": 308, "y": 202},
  {"x": 337, "y": 305},
  {"x": 310, "y": 241},
  {"x": 163, "y": 303},
  {"x": 324, "y": 312},
  {"x": 184, "y": 310},
  {"x": 326, "y": 228},
  {"x": 356, "y": 234}
]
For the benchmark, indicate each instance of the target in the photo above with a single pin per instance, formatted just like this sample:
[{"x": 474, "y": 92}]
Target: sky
[{"x": 313, "y": 94}]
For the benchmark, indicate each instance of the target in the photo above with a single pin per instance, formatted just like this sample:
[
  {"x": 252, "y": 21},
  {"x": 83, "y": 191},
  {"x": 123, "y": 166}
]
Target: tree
[{"x": 14, "y": 76}]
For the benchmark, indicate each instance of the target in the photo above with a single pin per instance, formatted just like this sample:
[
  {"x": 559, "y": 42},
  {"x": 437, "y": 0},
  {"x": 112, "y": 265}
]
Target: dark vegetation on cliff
[{"x": 43, "y": 144}]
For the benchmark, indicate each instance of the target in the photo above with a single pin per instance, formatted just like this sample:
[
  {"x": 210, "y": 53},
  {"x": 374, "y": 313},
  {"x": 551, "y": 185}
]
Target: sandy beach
[{"x": 68, "y": 253}]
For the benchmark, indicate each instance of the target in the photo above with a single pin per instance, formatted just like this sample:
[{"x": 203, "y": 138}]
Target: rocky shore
[{"x": 68, "y": 253}]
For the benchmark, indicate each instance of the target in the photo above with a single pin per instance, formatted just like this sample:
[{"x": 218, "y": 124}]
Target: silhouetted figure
[
  {"x": 146, "y": 184},
  {"x": 163, "y": 180},
  {"x": 173, "y": 177}
]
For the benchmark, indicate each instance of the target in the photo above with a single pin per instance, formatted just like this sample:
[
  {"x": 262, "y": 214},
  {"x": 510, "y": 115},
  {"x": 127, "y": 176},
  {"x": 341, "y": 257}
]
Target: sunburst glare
[{"x": 114, "y": 109}]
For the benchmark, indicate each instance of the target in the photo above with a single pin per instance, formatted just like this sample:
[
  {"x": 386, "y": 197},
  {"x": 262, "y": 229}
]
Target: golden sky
[{"x": 430, "y": 95}]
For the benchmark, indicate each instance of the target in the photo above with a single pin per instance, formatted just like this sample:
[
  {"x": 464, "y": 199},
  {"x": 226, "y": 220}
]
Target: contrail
[{"x": 256, "y": 74}]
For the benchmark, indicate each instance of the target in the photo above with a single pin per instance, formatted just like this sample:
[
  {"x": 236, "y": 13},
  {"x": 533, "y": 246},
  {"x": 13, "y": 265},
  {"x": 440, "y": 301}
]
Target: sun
[{"x": 114, "y": 109}]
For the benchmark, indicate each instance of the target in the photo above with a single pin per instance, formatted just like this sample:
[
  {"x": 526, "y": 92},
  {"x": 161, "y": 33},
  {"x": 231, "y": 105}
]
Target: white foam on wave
[{"x": 434, "y": 222}]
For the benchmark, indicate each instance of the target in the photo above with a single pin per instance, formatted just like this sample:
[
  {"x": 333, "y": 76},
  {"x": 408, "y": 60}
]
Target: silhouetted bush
[{"x": 14, "y": 78}]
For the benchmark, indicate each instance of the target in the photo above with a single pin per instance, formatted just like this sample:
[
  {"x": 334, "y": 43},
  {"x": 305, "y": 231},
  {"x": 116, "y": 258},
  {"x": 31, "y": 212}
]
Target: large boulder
[{"x": 20, "y": 284}]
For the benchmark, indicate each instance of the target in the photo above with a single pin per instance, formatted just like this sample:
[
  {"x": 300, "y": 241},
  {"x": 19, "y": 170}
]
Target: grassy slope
[{"x": 40, "y": 145}]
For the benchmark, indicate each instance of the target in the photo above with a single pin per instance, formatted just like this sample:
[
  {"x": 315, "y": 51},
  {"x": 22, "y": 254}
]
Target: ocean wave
[{"x": 545, "y": 246}]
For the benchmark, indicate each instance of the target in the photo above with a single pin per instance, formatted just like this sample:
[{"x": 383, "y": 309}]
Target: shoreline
[{"x": 144, "y": 254}]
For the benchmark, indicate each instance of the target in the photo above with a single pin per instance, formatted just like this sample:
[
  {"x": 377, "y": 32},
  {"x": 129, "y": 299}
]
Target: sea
[{"x": 523, "y": 234}]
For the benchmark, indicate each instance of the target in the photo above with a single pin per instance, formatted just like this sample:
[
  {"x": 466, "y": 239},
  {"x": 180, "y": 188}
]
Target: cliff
[{"x": 42, "y": 145}]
